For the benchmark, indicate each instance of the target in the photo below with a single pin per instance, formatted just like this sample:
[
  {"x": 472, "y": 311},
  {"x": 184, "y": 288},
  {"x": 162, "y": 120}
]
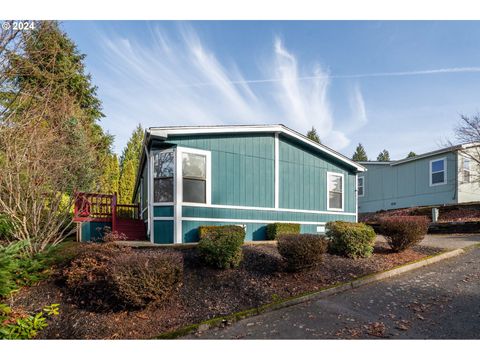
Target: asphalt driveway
[{"x": 440, "y": 301}]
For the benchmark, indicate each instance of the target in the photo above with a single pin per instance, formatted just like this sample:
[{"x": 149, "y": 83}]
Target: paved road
[{"x": 440, "y": 301}]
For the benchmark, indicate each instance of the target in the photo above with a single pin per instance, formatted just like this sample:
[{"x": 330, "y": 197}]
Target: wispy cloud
[{"x": 163, "y": 82}]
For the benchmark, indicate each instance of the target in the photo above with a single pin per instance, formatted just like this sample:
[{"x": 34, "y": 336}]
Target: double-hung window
[
  {"x": 361, "y": 186},
  {"x": 438, "y": 172},
  {"x": 194, "y": 171},
  {"x": 335, "y": 191},
  {"x": 163, "y": 171}
]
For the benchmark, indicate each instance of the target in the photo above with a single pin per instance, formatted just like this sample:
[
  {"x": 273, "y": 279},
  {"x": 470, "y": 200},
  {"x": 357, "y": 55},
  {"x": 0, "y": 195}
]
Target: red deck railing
[{"x": 102, "y": 207}]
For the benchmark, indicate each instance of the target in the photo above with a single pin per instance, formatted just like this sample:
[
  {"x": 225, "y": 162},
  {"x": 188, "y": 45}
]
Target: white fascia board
[{"x": 164, "y": 132}]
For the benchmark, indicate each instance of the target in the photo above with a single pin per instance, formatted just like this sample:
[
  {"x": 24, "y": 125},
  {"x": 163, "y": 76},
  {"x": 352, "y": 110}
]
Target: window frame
[
  {"x": 363, "y": 186},
  {"x": 171, "y": 150},
  {"x": 208, "y": 174},
  {"x": 342, "y": 176},
  {"x": 444, "y": 159}
]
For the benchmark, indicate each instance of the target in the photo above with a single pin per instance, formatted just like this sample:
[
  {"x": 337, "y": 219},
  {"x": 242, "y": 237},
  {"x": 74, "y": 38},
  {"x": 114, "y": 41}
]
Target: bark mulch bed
[{"x": 207, "y": 293}]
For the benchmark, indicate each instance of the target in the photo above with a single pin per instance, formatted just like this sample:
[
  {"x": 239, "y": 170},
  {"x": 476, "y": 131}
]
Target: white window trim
[
  {"x": 328, "y": 191},
  {"x": 152, "y": 178},
  {"x": 363, "y": 186},
  {"x": 444, "y": 159},
  {"x": 208, "y": 175}
]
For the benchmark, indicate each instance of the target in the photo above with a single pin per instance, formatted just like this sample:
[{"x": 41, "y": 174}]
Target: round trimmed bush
[
  {"x": 221, "y": 246},
  {"x": 106, "y": 277},
  {"x": 402, "y": 232},
  {"x": 301, "y": 251},
  {"x": 353, "y": 240},
  {"x": 275, "y": 230}
]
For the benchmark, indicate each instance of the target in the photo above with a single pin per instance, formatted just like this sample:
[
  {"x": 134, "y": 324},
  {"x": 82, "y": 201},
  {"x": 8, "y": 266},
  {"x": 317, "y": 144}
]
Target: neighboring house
[
  {"x": 242, "y": 175},
  {"x": 445, "y": 176}
]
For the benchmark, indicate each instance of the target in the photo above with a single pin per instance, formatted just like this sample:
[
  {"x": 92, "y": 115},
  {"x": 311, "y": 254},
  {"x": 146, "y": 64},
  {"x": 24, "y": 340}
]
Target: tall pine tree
[
  {"x": 129, "y": 164},
  {"x": 50, "y": 63},
  {"x": 360, "y": 154},
  {"x": 312, "y": 135},
  {"x": 383, "y": 156}
]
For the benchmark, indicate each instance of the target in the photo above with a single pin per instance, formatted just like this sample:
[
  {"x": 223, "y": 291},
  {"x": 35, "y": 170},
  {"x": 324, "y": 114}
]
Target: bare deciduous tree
[
  {"x": 468, "y": 132},
  {"x": 42, "y": 155}
]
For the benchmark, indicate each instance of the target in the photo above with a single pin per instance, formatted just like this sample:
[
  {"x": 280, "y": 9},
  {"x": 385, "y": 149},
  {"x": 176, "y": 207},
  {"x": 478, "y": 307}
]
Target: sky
[{"x": 395, "y": 85}]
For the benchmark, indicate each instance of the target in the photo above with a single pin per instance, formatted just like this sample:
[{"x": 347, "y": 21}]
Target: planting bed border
[{"x": 314, "y": 295}]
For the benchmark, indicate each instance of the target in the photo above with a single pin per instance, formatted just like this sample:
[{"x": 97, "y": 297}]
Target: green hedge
[
  {"x": 301, "y": 251},
  {"x": 275, "y": 230},
  {"x": 353, "y": 240},
  {"x": 221, "y": 246}
]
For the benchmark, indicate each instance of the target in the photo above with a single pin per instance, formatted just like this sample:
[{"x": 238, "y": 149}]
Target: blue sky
[{"x": 394, "y": 85}]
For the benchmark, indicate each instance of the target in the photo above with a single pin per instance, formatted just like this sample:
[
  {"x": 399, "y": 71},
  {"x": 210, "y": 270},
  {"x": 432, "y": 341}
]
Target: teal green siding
[
  {"x": 406, "y": 185},
  {"x": 303, "y": 178},
  {"x": 163, "y": 231},
  {"x": 242, "y": 167},
  {"x": 270, "y": 215},
  {"x": 243, "y": 174},
  {"x": 253, "y": 232},
  {"x": 163, "y": 211},
  {"x": 93, "y": 231}
]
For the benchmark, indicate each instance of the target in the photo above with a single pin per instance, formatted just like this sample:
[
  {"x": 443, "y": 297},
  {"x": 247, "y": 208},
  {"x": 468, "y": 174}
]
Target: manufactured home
[
  {"x": 441, "y": 177},
  {"x": 248, "y": 176}
]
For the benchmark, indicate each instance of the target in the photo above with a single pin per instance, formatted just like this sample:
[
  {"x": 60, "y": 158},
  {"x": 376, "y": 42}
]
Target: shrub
[
  {"x": 18, "y": 326},
  {"x": 142, "y": 278},
  {"x": 18, "y": 268},
  {"x": 402, "y": 232},
  {"x": 6, "y": 227},
  {"x": 87, "y": 276},
  {"x": 106, "y": 277},
  {"x": 221, "y": 246},
  {"x": 111, "y": 236},
  {"x": 353, "y": 240},
  {"x": 276, "y": 229},
  {"x": 301, "y": 251}
]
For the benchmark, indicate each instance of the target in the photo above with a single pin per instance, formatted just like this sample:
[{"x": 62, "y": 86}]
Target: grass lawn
[{"x": 206, "y": 293}]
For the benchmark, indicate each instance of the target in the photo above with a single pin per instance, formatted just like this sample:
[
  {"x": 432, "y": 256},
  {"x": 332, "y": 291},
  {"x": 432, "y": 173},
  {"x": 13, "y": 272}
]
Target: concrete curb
[{"x": 335, "y": 289}]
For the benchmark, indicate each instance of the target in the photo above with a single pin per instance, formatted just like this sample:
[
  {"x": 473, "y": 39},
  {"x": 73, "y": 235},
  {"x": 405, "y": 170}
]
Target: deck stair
[{"x": 124, "y": 218}]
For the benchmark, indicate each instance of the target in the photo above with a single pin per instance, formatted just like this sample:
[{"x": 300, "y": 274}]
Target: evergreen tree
[
  {"x": 129, "y": 165},
  {"x": 109, "y": 180},
  {"x": 312, "y": 135},
  {"x": 383, "y": 156},
  {"x": 360, "y": 154},
  {"x": 51, "y": 65},
  {"x": 411, "y": 154}
]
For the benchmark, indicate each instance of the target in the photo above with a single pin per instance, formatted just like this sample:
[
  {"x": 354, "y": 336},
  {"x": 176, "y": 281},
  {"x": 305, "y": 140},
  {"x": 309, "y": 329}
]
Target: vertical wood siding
[
  {"x": 242, "y": 167},
  {"x": 303, "y": 179},
  {"x": 406, "y": 185}
]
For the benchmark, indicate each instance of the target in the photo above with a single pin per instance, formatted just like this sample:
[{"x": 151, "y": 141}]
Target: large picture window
[
  {"x": 163, "y": 170},
  {"x": 194, "y": 171},
  {"x": 438, "y": 173},
  {"x": 335, "y": 191}
]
